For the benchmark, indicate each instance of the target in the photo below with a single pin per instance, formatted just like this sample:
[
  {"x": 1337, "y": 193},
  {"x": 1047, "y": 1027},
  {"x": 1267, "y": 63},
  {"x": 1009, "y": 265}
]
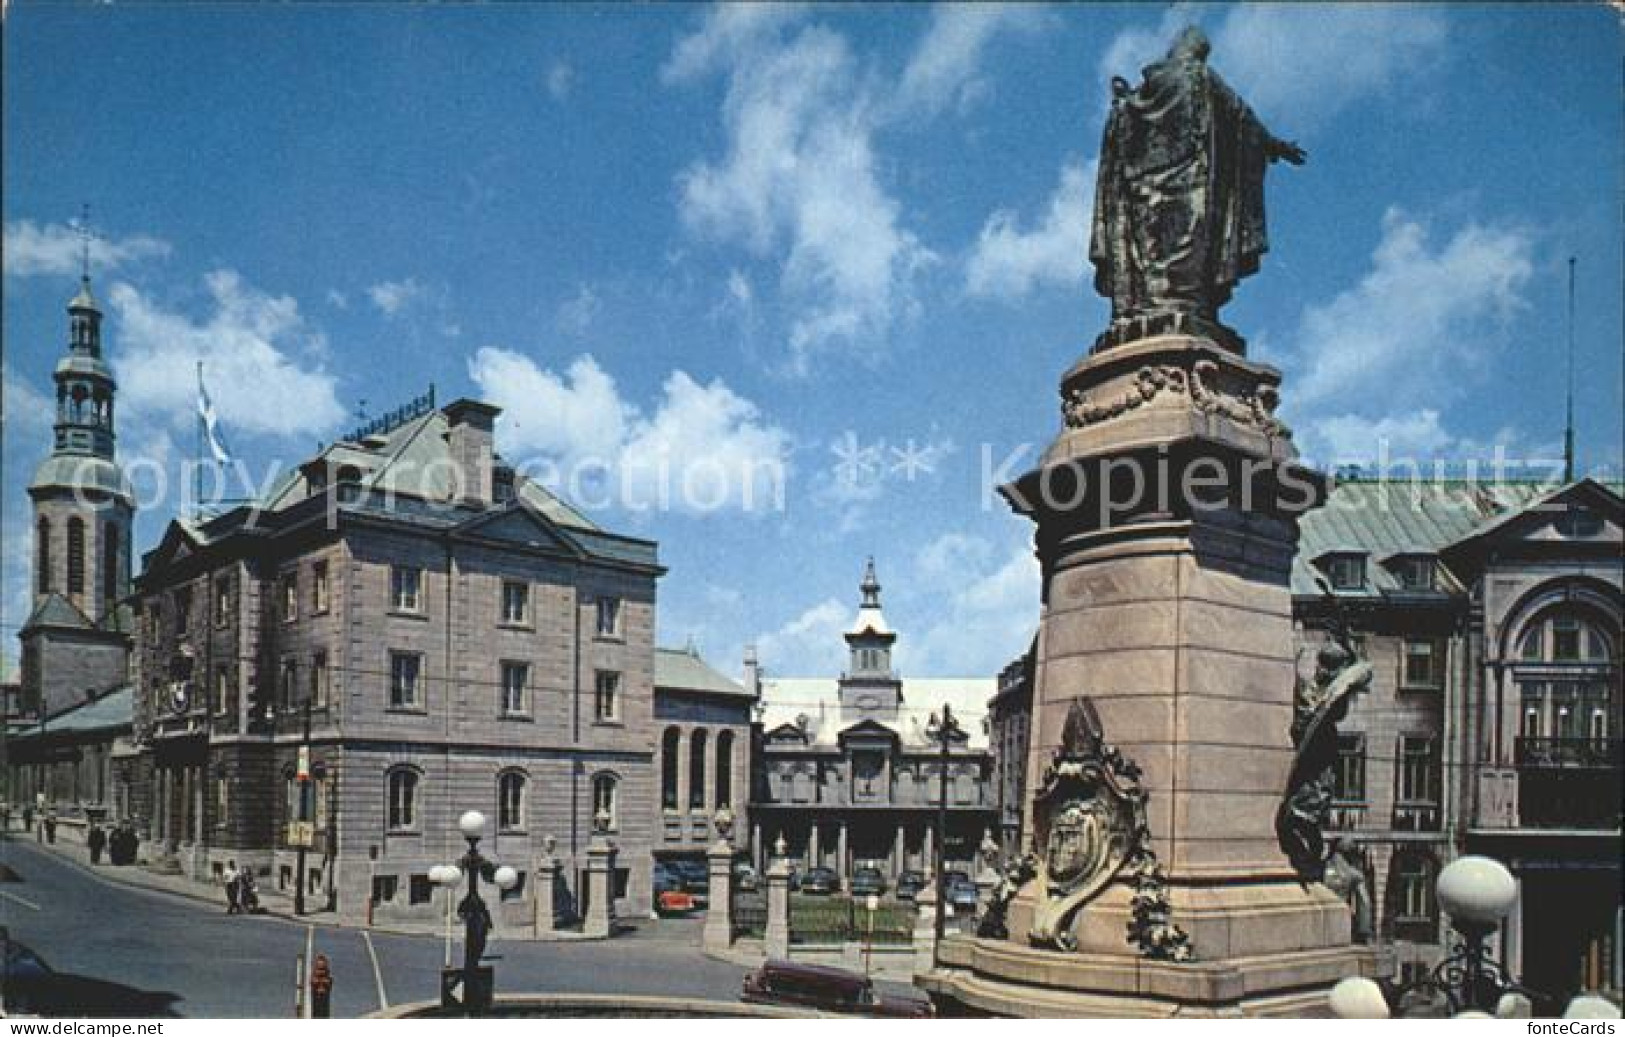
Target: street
[{"x": 153, "y": 953}]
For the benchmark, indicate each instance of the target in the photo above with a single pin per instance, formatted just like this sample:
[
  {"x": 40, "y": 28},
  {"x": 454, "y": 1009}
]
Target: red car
[
  {"x": 675, "y": 902},
  {"x": 828, "y": 989}
]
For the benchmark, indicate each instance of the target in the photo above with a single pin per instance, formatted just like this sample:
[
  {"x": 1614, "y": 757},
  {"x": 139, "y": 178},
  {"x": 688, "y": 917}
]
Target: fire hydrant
[{"x": 321, "y": 988}]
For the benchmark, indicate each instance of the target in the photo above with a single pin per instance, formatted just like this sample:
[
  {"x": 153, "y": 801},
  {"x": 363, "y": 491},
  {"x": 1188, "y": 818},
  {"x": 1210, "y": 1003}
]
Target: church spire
[{"x": 870, "y": 586}]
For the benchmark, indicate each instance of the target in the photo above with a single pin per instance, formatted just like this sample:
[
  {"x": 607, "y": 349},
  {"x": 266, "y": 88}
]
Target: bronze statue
[
  {"x": 1179, "y": 199},
  {"x": 1346, "y": 876},
  {"x": 1319, "y": 705}
]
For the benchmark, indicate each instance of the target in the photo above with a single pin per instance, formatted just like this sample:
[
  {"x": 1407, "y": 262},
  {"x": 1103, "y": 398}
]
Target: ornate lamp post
[
  {"x": 943, "y": 730},
  {"x": 1476, "y": 893},
  {"x": 477, "y": 981}
]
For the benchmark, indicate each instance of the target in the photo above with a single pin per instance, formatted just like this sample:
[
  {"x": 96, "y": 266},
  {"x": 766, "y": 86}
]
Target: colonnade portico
[{"x": 891, "y": 844}]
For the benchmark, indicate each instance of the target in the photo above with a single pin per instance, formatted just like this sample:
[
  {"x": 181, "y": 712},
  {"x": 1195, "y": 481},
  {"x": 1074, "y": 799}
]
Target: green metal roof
[
  {"x": 109, "y": 712},
  {"x": 681, "y": 669}
]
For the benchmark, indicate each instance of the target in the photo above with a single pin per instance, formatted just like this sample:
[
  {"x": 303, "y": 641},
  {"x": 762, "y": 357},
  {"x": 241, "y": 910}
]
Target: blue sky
[{"x": 848, "y": 241}]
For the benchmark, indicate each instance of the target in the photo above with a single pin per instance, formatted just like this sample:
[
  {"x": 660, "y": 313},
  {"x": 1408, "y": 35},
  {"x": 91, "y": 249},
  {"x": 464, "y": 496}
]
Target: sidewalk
[{"x": 275, "y": 903}]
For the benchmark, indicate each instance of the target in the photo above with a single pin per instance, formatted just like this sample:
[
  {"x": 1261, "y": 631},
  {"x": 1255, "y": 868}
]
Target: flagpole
[{"x": 197, "y": 471}]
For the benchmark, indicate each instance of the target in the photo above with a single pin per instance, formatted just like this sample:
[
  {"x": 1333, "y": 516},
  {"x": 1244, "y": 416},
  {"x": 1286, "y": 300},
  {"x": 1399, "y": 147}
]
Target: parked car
[
  {"x": 674, "y": 902},
  {"x": 909, "y": 884},
  {"x": 696, "y": 877},
  {"x": 745, "y": 878},
  {"x": 828, "y": 989},
  {"x": 822, "y": 881},
  {"x": 962, "y": 893},
  {"x": 868, "y": 882}
]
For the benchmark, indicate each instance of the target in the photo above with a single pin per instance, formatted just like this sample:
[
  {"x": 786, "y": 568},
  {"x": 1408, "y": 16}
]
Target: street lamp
[
  {"x": 477, "y": 981},
  {"x": 1477, "y": 893},
  {"x": 942, "y": 730},
  {"x": 447, "y": 877}
]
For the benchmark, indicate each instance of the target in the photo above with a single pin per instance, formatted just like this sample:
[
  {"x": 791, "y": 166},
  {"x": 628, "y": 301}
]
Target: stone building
[
  {"x": 1491, "y": 613},
  {"x": 76, "y": 639},
  {"x": 1009, "y": 716},
  {"x": 704, "y": 721},
  {"x": 453, "y": 636},
  {"x": 69, "y": 717},
  {"x": 848, "y": 773}
]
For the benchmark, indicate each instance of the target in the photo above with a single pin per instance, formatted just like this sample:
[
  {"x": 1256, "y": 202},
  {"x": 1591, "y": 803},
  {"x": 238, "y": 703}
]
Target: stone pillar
[
  {"x": 814, "y": 858},
  {"x": 600, "y": 920},
  {"x": 925, "y": 929},
  {"x": 546, "y": 879},
  {"x": 777, "y": 933},
  {"x": 928, "y": 859},
  {"x": 899, "y": 854},
  {"x": 843, "y": 867},
  {"x": 756, "y": 846},
  {"x": 718, "y": 932}
]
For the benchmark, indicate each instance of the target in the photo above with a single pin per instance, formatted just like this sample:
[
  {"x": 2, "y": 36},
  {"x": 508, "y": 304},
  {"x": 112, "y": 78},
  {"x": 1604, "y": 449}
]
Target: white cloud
[
  {"x": 1134, "y": 48},
  {"x": 798, "y": 184},
  {"x": 1302, "y": 64},
  {"x": 699, "y": 448},
  {"x": 393, "y": 297},
  {"x": 577, "y": 313},
  {"x": 1376, "y": 363},
  {"x": 1009, "y": 262},
  {"x": 804, "y": 644},
  {"x": 57, "y": 249},
  {"x": 985, "y": 606},
  {"x": 263, "y": 362},
  {"x": 560, "y": 78},
  {"x": 944, "y": 69}
]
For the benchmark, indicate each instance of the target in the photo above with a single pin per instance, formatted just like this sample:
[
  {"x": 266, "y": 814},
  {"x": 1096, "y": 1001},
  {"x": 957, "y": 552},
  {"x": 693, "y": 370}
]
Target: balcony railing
[{"x": 1570, "y": 753}]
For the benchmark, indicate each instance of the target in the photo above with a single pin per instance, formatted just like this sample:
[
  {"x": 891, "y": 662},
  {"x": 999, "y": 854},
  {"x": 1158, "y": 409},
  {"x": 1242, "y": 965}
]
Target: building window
[
  {"x": 420, "y": 890},
  {"x": 607, "y": 696},
  {"x": 286, "y": 698},
  {"x": 1346, "y": 572},
  {"x": 515, "y": 602},
  {"x": 670, "y": 747},
  {"x": 696, "y": 769},
  {"x": 384, "y": 888},
  {"x": 318, "y": 588},
  {"x": 1418, "y": 780},
  {"x": 1424, "y": 663},
  {"x": 76, "y": 555},
  {"x": 515, "y": 676},
  {"x": 1413, "y": 896},
  {"x": 405, "y": 586},
  {"x": 1349, "y": 778},
  {"x": 609, "y": 617},
  {"x": 222, "y": 689},
  {"x": 1415, "y": 572},
  {"x": 606, "y": 800},
  {"x": 404, "y": 671},
  {"x": 42, "y": 557},
  {"x": 183, "y": 610},
  {"x": 222, "y": 601},
  {"x": 403, "y": 799},
  {"x": 511, "y": 801},
  {"x": 318, "y": 680},
  {"x": 725, "y": 769},
  {"x": 222, "y": 801},
  {"x": 1565, "y": 639},
  {"x": 110, "y": 566}
]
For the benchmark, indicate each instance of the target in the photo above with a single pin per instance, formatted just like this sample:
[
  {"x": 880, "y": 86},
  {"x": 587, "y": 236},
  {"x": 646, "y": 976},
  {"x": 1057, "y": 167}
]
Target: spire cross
[{"x": 84, "y": 242}]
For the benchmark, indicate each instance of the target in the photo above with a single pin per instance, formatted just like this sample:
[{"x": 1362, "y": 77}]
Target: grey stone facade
[
  {"x": 464, "y": 641},
  {"x": 703, "y": 720}
]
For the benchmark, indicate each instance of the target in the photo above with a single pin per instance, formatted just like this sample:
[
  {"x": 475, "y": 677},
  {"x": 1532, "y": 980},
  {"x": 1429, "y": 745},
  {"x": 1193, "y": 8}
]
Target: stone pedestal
[
  {"x": 925, "y": 928},
  {"x": 718, "y": 931},
  {"x": 546, "y": 881},
  {"x": 1166, "y": 517},
  {"x": 600, "y": 920},
  {"x": 776, "y": 936}
]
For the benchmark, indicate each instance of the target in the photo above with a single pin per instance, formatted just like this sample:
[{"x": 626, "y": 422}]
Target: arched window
[
  {"x": 606, "y": 801},
  {"x": 511, "y": 801},
  {"x": 403, "y": 799},
  {"x": 696, "y": 769},
  {"x": 42, "y": 557},
  {"x": 725, "y": 769},
  {"x": 76, "y": 555},
  {"x": 110, "y": 570},
  {"x": 670, "y": 748},
  {"x": 1566, "y": 680}
]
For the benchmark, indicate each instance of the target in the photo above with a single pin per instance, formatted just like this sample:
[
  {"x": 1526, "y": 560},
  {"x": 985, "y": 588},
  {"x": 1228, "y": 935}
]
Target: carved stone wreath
[
  {"x": 1255, "y": 409},
  {"x": 1089, "y": 827}
]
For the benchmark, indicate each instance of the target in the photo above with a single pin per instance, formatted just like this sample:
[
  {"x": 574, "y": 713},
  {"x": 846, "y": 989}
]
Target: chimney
[
  {"x": 469, "y": 437},
  {"x": 753, "y": 673}
]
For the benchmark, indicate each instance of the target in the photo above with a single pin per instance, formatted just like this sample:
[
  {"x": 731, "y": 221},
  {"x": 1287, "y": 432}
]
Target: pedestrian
[
  {"x": 247, "y": 896},
  {"x": 234, "y": 887},
  {"x": 50, "y": 827},
  {"x": 96, "y": 840},
  {"x": 28, "y": 818},
  {"x": 5, "y": 817}
]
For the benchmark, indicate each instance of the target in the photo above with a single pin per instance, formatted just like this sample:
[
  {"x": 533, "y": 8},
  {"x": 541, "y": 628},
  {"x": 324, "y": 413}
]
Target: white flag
[{"x": 211, "y": 424}]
